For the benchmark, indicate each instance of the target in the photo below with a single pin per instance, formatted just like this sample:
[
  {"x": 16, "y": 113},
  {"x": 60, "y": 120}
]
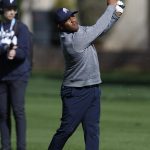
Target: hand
[
  {"x": 112, "y": 2},
  {"x": 12, "y": 53},
  {"x": 120, "y": 8}
]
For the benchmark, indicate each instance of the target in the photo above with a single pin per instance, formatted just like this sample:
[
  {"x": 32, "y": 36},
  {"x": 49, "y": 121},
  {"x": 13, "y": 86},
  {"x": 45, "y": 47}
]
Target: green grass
[
  {"x": 125, "y": 122},
  {"x": 125, "y": 118}
]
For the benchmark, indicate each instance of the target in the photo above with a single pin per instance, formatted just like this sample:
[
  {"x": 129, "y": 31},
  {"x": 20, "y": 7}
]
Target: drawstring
[{"x": 2, "y": 33}]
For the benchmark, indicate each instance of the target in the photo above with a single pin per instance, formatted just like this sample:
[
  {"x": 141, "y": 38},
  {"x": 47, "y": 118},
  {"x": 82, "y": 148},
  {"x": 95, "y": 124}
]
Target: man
[
  {"x": 14, "y": 73},
  {"x": 80, "y": 91}
]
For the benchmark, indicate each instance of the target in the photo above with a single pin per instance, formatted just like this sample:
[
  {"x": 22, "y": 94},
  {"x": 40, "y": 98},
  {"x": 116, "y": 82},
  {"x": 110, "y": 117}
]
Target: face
[
  {"x": 71, "y": 25},
  {"x": 9, "y": 13}
]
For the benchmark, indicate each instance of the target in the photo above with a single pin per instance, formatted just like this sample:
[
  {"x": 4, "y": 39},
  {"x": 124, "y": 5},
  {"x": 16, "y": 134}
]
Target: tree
[
  {"x": 66, "y": 3},
  {"x": 19, "y": 7},
  {"x": 90, "y": 10}
]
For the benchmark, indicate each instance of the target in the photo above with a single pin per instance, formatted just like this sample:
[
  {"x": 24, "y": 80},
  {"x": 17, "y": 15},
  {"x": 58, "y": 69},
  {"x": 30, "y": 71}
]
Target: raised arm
[
  {"x": 118, "y": 12},
  {"x": 87, "y": 35}
]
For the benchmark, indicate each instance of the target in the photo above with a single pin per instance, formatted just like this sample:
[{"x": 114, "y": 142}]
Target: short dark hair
[{"x": 7, "y": 4}]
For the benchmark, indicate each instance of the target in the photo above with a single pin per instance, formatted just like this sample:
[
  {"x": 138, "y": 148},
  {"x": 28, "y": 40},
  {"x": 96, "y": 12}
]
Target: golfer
[{"x": 80, "y": 91}]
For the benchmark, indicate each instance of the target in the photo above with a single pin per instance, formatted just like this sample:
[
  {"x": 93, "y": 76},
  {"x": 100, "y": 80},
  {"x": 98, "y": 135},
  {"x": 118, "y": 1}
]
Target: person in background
[{"x": 15, "y": 70}]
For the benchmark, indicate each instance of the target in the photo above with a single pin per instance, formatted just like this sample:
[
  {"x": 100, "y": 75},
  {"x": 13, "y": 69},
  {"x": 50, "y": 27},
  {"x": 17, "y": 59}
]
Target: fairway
[{"x": 125, "y": 121}]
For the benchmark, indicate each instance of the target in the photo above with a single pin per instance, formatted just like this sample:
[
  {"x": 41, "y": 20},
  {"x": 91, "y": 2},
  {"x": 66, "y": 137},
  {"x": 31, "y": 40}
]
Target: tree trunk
[
  {"x": 27, "y": 13},
  {"x": 90, "y": 10}
]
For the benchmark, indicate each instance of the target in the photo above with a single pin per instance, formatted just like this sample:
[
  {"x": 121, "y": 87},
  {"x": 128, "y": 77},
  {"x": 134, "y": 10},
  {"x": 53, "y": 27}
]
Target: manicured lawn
[{"x": 125, "y": 116}]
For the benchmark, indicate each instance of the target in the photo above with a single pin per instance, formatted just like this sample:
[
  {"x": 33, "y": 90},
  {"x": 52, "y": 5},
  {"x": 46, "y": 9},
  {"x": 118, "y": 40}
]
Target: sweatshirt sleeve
[
  {"x": 2, "y": 49},
  {"x": 86, "y": 35},
  {"x": 23, "y": 43},
  {"x": 113, "y": 20}
]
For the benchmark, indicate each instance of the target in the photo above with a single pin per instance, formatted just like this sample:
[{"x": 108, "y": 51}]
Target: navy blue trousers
[
  {"x": 12, "y": 95},
  {"x": 80, "y": 105}
]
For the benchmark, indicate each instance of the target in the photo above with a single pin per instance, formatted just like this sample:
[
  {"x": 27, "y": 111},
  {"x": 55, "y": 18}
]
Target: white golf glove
[
  {"x": 6, "y": 41},
  {"x": 120, "y": 6}
]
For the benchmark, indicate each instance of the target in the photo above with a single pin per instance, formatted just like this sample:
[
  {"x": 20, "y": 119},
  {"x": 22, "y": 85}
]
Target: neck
[{"x": 5, "y": 20}]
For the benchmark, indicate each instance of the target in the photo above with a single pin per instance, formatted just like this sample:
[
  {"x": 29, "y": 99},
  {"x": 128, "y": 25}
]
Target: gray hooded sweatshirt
[{"x": 81, "y": 61}]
